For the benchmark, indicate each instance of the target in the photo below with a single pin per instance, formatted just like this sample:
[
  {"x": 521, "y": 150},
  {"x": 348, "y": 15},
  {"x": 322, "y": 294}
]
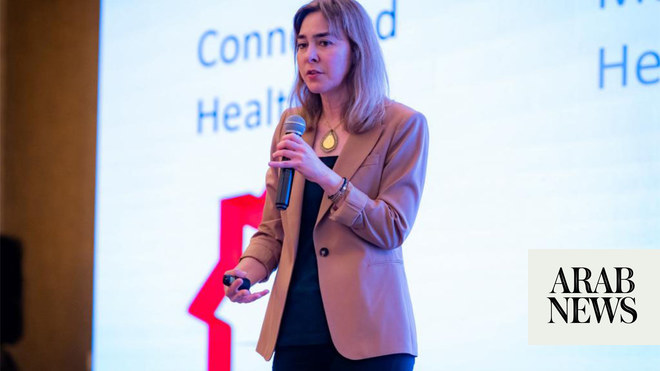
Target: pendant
[{"x": 329, "y": 141}]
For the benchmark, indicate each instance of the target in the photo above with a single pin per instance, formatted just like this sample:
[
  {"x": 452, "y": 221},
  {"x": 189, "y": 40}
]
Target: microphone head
[{"x": 294, "y": 124}]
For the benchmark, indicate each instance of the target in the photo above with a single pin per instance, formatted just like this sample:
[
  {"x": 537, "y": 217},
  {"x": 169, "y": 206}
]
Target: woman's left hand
[{"x": 301, "y": 158}]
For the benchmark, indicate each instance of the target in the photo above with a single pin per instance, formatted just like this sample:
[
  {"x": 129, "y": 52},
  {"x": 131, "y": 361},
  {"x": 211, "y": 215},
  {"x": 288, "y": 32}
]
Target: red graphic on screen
[{"x": 235, "y": 213}]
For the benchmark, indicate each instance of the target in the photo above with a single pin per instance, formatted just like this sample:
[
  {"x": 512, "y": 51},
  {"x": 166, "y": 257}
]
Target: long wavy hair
[{"x": 366, "y": 80}]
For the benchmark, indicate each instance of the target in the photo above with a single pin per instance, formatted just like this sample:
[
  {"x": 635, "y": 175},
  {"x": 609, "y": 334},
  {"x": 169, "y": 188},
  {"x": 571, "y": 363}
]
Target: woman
[{"x": 340, "y": 299}]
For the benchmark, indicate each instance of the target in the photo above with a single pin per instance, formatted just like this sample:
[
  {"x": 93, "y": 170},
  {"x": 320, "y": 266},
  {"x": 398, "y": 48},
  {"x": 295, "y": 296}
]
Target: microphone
[{"x": 296, "y": 125}]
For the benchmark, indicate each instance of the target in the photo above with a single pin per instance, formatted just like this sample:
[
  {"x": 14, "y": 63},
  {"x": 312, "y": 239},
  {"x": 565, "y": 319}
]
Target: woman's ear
[{"x": 355, "y": 53}]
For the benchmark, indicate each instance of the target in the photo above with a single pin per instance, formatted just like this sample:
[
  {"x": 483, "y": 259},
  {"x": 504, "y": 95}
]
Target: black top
[{"x": 303, "y": 320}]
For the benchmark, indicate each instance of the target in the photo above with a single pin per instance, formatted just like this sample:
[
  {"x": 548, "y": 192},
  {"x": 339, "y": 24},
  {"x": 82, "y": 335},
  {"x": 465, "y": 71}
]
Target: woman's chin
[{"x": 313, "y": 88}]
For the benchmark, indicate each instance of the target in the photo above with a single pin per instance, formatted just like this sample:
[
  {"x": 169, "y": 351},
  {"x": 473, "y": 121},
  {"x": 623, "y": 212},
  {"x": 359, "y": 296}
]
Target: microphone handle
[{"x": 284, "y": 187}]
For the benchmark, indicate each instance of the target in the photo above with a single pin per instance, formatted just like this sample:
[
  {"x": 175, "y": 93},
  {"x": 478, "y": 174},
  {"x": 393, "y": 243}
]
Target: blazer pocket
[
  {"x": 379, "y": 262},
  {"x": 372, "y": 159},
  {"x": 378, "y": 257},
  {"x": 367, "y": 176}
]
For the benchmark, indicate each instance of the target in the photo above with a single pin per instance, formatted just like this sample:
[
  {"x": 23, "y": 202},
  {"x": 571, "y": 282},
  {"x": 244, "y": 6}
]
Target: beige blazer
[{"x": 362, "y": 279}]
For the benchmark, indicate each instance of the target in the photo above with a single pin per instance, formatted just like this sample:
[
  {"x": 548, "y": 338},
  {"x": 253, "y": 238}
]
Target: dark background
[{"x": 48, "y": 100}]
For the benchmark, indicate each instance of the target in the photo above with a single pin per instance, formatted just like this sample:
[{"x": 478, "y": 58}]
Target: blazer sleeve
[
  {"x": 266, "y": 244},
  {"x": 387, "y": 220}
]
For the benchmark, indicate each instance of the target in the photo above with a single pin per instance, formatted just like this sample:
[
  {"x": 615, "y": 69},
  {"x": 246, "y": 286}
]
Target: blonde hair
[{"x": 366, "y": 79}]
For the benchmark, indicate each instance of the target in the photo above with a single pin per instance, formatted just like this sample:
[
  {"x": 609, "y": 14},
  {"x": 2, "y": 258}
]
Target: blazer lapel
[{"x": 356, "y": 149}]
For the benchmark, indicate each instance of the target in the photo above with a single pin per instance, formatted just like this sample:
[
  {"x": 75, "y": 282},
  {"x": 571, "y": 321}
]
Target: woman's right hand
[{"x": 241, "y": 296}]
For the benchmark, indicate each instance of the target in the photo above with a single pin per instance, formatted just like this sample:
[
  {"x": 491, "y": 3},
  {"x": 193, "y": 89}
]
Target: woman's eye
[
  {"x": 324, "y": 43},
  {"x": 301, "y": 45}
]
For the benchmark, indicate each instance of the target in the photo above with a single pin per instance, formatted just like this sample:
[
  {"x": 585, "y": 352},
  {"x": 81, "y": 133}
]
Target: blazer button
[{"x": 324, "y": 252}]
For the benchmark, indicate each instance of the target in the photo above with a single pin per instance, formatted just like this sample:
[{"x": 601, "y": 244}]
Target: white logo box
[{"x": 634, "y": 301}]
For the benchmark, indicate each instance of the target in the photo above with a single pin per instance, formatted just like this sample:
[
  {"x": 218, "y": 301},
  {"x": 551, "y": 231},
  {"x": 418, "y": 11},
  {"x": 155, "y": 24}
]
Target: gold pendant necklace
[{"x": 330, "y": 140}]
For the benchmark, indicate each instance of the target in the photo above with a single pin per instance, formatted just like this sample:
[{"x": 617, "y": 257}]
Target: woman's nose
[{"x": 312, "y": 55}]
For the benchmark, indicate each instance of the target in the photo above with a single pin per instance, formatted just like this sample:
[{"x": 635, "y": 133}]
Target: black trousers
[{"x": 326, "y": 358}]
